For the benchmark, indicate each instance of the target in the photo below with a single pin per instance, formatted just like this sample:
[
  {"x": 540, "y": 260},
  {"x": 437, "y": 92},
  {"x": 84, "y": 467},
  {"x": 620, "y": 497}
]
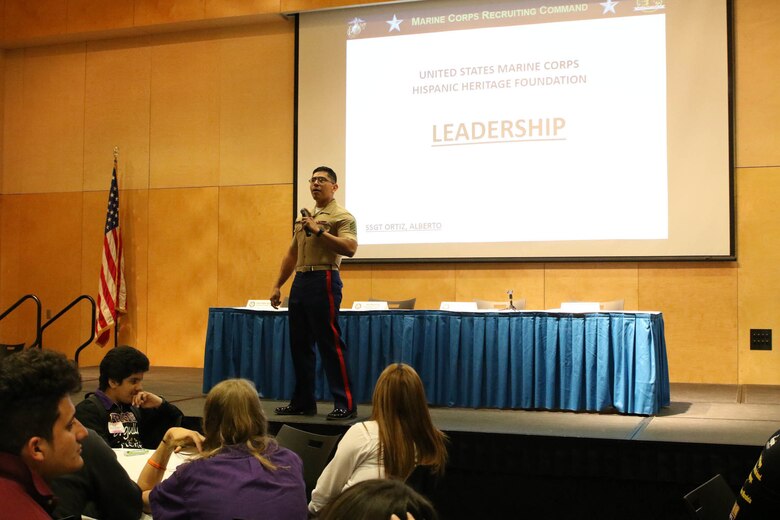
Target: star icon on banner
[
  {"x": 609, "y": 6},
  {"x": 395, "y": 24}
]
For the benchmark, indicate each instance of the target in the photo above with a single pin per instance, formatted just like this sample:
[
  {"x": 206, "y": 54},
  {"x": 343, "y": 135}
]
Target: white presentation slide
[{"x": 509, "y": 134}]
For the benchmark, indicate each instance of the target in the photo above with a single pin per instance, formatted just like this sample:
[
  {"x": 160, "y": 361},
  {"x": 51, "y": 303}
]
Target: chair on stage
[
  {"x": 313, "y": 449},
  {"x": 500, "y": 305},
  {"x": 397, "y": 304},
  {"x": 591, "y": 306},
  {"x": 712, "y": 500},
  {"x": 613, "y": 305}
]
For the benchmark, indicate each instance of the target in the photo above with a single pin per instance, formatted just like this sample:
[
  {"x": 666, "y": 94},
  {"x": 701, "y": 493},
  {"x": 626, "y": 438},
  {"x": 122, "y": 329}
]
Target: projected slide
[
  {"x": 457, "y": 133},
  {"x": 523, "y": 130}
]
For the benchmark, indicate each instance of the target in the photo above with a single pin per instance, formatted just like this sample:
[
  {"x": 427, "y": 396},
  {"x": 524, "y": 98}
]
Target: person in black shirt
[
  {"x": 120, "y": 410},
  {"x": 760, "y": 494},
  {"x": 100, "y": 489}
]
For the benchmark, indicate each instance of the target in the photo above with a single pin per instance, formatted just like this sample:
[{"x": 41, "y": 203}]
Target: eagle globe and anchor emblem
[{"x": 355, "y": 27}]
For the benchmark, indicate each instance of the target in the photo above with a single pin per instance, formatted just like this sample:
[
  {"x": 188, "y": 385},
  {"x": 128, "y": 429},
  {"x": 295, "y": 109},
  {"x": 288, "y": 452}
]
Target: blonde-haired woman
[
  {"x": 240, "y": 472},
  {"x": 398, "y": 437}
]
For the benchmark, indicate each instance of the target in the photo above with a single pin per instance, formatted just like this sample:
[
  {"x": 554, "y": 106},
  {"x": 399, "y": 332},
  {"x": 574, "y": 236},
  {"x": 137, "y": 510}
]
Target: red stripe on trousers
[{"x": 337, "y": 341}]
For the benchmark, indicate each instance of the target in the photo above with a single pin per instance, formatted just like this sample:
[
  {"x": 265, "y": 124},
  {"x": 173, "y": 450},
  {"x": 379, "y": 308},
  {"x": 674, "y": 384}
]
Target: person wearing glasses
[{"x": 321, "y": 237}]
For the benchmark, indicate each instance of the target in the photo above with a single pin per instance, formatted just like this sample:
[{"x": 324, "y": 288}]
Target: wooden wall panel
[
  {"x": 431, "y": 284},
  {"x": 116, "y": 113},
  {"x": 94, "y": 204},
  {"x": 13, "y": 328},
  {"x": 492, "y": 281},
  {"x": 357, "y": 283},
  {"x": 255, "y": 224},
  {"x": 256, "y": 110},
  {"x": 299, "y": 6},
  {"x": 183, "y": 260},
  {"x": 184, "y": 136},
  {"x": 154, "y": 12},
  {"x": 229, "y": 8},
  {"x": 30, "y": 19},
  {"x": 44, "y": 134},
  {"x": 757, "y": 77},
  {"x": 759, "y": 277},
  {"x": 99, "y": 15},
  {"x": 134, "y": 206},
  {"x": 591, "y": 282},
  {"x": 13, "y": 111},
  {"x": 41, "y": 248},
  {"x": 2, "y": 115},
  {"x": 699, "y": 303}
]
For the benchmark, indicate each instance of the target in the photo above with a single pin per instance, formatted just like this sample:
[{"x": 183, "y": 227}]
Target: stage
[{"x": 518, "y": 463}]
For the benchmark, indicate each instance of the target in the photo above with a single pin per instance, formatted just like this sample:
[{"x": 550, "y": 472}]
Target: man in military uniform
[
  {"x": 760, "y": 494},
  {"x": 320, "y": 239}
]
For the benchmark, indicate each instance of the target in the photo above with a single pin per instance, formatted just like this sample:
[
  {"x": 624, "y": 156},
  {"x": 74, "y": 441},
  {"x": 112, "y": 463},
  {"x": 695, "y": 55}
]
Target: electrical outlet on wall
[{"x": 760, "y": 339}]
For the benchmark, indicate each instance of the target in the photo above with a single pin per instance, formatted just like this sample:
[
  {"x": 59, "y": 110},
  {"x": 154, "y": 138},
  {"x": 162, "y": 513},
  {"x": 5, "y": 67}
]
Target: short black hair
[
  {"x": 120, "y": 363},
  {"x": 329, "y": 171},
  {"x": 378, "y": 499},
  {"x": 32, "y": 384}
]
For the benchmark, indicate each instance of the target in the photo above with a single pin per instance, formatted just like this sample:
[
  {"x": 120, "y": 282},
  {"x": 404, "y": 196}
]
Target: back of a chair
[
  {"x": 398, "y": 304},
  {"x": 712, "y": 500},
  {"x": 483, "y": 305},
  {"x": 313, "y": 449},
  {"x": 613, "y": 305}
]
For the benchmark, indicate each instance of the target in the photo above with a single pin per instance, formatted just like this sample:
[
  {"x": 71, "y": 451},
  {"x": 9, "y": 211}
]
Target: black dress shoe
[
  {"x": 342, "y": 413},
  {"x": 294, "y": 410}
]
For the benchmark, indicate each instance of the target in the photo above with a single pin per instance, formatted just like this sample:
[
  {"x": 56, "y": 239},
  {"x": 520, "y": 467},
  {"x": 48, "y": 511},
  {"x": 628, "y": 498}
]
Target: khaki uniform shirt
[{"x": 311, "y": 250}]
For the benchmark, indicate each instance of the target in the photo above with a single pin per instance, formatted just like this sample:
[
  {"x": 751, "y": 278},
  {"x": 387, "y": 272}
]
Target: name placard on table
[
  {"x": 260, "y": 305},
  {"x": 369, "y": 306}
]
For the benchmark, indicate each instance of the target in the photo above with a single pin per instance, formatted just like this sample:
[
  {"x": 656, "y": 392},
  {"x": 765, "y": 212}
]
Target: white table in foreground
[{"x": 134, "y": 460}]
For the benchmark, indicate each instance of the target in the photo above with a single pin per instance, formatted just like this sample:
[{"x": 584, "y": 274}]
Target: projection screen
[{"x": 526, "y": 130}]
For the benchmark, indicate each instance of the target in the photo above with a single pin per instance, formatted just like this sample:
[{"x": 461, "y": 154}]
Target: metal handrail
[
  {"x": 66, "y": 309},
  {"x": 38, "y": 329}
]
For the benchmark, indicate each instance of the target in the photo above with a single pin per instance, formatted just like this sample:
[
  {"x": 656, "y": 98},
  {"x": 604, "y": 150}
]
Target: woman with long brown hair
[
  {"x": 398, "y": 437},
  {"x": 240, "y": 471}
]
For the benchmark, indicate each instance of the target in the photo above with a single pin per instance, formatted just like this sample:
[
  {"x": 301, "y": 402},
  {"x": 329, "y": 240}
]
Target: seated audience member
[
  {"x": 760, "y": 494},
  {"x": 379, "y": 499},
  {"x": 100, "y": 489},
  {"x": 120, "y": 411},
  {"x": 40, "y": 438},
  {"x": 398, "y": 437},
  {"x": 240, "y": 472}
]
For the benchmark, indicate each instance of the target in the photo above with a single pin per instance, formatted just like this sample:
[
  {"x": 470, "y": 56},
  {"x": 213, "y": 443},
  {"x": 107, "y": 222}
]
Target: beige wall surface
[{"x": 203, "y": 118}]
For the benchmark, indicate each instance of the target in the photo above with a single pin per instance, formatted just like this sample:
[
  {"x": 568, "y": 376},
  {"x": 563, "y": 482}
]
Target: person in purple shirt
[{"x": 239, "y": 473}]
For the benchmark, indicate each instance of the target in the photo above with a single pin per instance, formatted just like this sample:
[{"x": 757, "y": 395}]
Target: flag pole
[{"x": 116, "y": 320}]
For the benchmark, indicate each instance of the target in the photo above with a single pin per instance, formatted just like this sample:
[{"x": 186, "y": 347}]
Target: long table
[{"x": 529, "y": 360}]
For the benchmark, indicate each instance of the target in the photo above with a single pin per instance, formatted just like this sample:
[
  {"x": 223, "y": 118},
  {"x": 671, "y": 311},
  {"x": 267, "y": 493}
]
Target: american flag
[{"x": 112, "y": 295}]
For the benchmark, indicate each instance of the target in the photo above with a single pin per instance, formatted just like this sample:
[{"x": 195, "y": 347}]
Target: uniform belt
[{"x": 308, "y": 268}]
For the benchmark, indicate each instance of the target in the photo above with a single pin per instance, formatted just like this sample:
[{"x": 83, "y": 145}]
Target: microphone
[{"x": 305, "y": 213}]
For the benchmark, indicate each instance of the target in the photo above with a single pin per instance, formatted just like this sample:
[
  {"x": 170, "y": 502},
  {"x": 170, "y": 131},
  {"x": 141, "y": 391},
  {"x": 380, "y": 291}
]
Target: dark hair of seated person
[{"x": 378, "y": 499}]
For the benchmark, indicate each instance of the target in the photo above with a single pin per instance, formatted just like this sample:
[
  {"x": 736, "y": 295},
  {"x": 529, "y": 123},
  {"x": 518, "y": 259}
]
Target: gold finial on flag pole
[{"x": 116, "y": 153}]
